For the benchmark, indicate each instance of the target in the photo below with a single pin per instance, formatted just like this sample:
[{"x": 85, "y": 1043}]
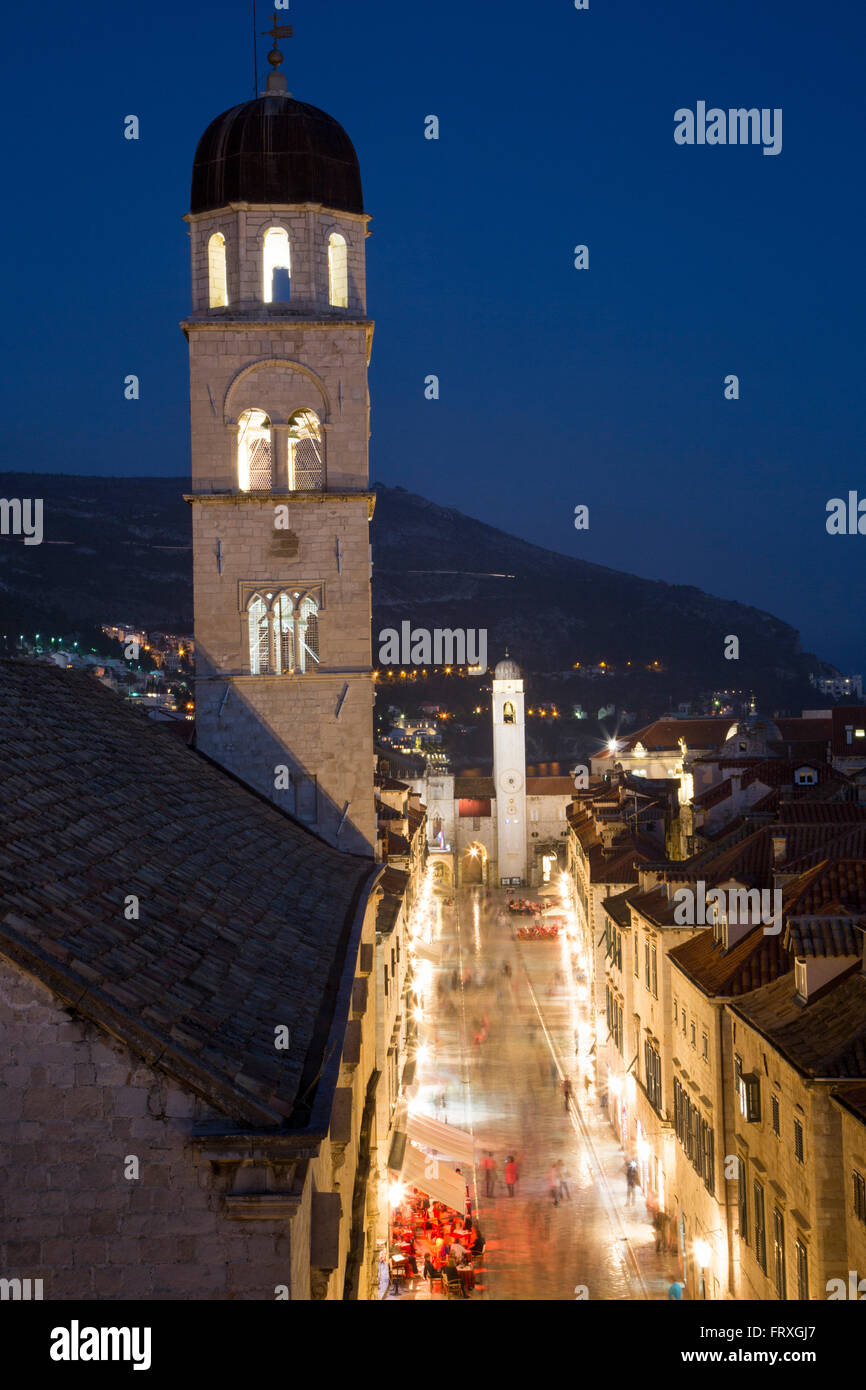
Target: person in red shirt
[
  {"x": 510, "y": 1175},
  {"x": 489, "y": 1174}
]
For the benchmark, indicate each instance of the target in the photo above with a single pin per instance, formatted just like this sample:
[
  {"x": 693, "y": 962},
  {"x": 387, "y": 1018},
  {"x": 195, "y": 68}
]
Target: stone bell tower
[
  {"x": 509, "y": 771},
  {"x": 279, "y": 346}
]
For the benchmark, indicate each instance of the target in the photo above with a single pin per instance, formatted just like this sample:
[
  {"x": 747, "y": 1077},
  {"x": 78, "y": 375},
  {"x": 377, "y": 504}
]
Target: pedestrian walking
[
  {"x": 676, "y": 1288},
  {"x": 564, "y": 1178},
  {"x": 553, "y": 1184},
  {"x": 489, "y": 1175},
  {"x": 510, "y": 1175},
  {"x": 566, "y": 1091},
  {"x": 659, "y": 1228},
  {"x": 631, "y": 1176}
]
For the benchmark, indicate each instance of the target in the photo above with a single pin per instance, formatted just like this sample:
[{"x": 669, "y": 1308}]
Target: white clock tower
[{"x": 509, "y": 771}]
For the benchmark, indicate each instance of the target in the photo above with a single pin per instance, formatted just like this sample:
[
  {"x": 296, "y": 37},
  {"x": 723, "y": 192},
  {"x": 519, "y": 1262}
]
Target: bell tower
[
  {"x": 509, "y": 770},
  {"x": 279, "y": 346}
]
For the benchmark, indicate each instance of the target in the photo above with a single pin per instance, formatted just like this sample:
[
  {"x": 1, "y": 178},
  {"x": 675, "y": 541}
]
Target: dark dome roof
[{"x": 275, "y": 150}]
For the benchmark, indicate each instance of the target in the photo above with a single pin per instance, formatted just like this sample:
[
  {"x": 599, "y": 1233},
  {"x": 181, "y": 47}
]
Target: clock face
[{"x": 511, "y": 781}]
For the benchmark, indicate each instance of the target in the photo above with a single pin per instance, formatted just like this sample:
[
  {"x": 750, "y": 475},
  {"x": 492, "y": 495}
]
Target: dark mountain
[{"x": 118, "y": 549}]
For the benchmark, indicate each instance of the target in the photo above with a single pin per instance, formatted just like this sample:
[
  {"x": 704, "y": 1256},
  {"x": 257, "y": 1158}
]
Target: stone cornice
[{"x": 224, "y": 498}]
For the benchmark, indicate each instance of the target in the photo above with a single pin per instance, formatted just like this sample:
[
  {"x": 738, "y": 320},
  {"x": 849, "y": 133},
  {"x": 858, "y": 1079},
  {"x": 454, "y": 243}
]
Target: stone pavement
[{"x": 507, "y": 1091}]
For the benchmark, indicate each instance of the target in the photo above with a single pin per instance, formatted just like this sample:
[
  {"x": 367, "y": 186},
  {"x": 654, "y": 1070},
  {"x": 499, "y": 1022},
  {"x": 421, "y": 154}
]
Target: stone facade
[
  {"x": 210, "y": 1215},
  {"x": 280, "y": 358}
]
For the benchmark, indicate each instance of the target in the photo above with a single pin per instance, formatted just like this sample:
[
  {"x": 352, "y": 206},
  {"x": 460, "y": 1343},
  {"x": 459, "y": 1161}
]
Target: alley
[{"x": 504, "y": 1022}]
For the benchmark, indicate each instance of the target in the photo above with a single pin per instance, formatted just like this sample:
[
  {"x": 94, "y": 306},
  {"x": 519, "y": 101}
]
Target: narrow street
[{"x": 507, "y": 1091}]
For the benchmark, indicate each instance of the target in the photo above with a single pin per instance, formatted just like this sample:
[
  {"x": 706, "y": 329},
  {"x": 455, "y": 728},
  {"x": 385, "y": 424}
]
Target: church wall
[
  {"x": 288, "y": 720},
  {"x": 335, "y": 356},
  {"x": 74, "y": 1105}
]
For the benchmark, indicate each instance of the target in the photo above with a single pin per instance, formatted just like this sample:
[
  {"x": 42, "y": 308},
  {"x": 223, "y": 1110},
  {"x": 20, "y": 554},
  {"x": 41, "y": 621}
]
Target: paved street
[{"x": 507, "y": 1091}]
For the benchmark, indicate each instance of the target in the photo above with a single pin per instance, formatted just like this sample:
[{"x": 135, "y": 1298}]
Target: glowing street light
[{"x": 701, "y": 1253}]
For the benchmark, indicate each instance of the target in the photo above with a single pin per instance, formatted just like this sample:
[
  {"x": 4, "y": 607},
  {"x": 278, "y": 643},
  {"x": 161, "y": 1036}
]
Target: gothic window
[
  {"x": 338, "y": 271},
  {"x": 508, "y": 713},
  {"x": 285, "y": 633},
  {"x": 260, "y": 641},
  {"x": 254, "y": 452},
  {"x": 306, "y": 453},
  {"x": 277, "y": 266},
  {"x": 216, "y": 271},
  {"x": 308, "y": 633}
]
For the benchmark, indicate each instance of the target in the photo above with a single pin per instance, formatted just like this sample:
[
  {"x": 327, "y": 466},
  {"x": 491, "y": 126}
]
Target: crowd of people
[{"x": 429, "y": 1241}]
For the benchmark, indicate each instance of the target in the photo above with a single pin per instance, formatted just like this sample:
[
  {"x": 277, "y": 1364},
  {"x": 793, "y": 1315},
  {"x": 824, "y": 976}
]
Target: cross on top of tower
[{"x": 277, "y": 31}]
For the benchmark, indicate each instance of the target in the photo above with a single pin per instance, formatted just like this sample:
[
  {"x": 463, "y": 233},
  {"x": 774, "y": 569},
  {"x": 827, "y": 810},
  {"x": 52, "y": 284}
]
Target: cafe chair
[{"x": 452, "y": 1288}]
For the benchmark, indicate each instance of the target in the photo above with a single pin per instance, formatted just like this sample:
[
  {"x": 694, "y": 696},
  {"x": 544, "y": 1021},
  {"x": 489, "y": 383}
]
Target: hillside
[{"x": 118, "y": 549}]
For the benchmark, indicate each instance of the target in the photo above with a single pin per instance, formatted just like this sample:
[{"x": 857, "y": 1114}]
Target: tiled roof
[
  {"x": 755, "y": 960},
  {"x": 824, "y": 812},
  {"x": 713, "y": 796},
  {"x": 798, "y": 730},
  {"x": 397, "y": 844},
  {"x": 549, "y": 786},
  {"x": 617, "y": 865},
  {"x": 473, "y": 788},
  {"x": 390, "y": 784},
  {"x": 665, "y": 734},
  {"x": 617, "y": 907},
  {"x": 387, "y": 913},
  {"x": 394, "y": 880},
  {"x": 823, "y": 936},
  {"x": 244, "y": 915},
  {"x": 384, "y": 812},
  {"x": 841, "y": 881},
  {"x": 853, "y": 1098},
  {"x": 825, "y": 1038}
]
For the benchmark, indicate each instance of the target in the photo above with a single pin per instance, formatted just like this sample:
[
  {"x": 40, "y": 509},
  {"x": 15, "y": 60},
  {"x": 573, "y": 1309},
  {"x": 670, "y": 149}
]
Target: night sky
[{"x": 558, "y": 386}]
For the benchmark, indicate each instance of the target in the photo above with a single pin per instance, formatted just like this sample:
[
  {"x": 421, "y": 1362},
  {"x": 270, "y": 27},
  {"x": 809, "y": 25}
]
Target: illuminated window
[
  {"x": 306, "y": 453},
  {"x": 216, "y": 271},
  {"x": 308, "y": 629},
  {"x": 254, "y": 452},
  {"x": 508, "y": 713},
  {"x": 285, "y": 633},
  {"x": 277, "y": 266},
  {"x": 294, "y": 621},
  {"x": 338, "y": 271},
  {"x": 260, "y": 642}
]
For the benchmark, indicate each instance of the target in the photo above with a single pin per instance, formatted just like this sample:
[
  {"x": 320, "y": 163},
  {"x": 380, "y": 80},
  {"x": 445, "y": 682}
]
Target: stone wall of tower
[
  {"x": 272, "y": 721},
  {"x": 279, "y": 358},
  {"x": 278, "y": 367}
]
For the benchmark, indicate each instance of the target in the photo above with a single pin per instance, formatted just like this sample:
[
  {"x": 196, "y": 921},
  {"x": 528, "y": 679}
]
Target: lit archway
[{"x": 473, "y": 865}]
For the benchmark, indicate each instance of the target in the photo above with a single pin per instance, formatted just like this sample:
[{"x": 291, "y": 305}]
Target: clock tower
[{"x": 509, "y": 771}]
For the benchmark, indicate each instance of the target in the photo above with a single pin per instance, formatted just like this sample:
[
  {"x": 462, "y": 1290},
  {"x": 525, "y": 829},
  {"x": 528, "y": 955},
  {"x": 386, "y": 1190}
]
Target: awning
[
  {"x": 440, "y": 1182},
  {"x": 441, "y": 1138},
  {"x": 424, "y": 950}
]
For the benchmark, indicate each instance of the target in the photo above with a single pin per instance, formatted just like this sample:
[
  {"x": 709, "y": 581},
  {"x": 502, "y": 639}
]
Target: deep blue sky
[{"x": 558, "y": 386}]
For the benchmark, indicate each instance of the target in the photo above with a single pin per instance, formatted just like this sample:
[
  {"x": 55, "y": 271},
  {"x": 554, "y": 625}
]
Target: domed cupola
[
  {"x": 276, "y": 150},
  {"x": 507, "y": 670}
]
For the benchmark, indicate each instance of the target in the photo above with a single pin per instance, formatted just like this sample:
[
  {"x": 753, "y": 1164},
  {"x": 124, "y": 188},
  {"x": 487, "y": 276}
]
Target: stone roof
[
  {"x": 245, "y": 916},
  {"x": 824, "y": 1038}
]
